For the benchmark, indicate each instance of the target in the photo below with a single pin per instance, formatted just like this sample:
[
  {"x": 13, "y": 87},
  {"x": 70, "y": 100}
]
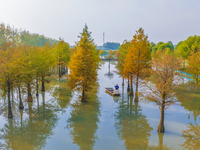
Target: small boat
[{"x": 113, "y": 92}]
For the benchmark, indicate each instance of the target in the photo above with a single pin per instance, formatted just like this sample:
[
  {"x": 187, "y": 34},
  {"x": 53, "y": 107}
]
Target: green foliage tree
[
  {"x": 177, "y": 45},
  {"x": 7, "y": 34},
  {"x": 7, "y": 71},
  {"x": 190, "y": 44},
  {"x": 194, "y": 65},
  {"x": 165, "y": 45},
  {"x": 152, "y": 45},
  {"x": 121, "y": 55},
  {"x": 62, "y": 54},
  {"x": 84, "y": 64},
  {"x": 102, "y": 52}
]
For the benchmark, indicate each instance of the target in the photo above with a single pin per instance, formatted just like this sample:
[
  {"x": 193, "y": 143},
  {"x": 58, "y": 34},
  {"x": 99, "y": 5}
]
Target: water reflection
[
  {"x": 30, "y": 132},
  {"x": 189, "y": 96},
  {"x": 109, "y": 74},
  {"x": 131, "y": 125},
  {"x": 192, "y": 137},
  {"x": 60, "y": 92},
  {"x": 83, "y": 122},
  {"x": 160, "y": 145},
  {"x": 31, "y": 127}
]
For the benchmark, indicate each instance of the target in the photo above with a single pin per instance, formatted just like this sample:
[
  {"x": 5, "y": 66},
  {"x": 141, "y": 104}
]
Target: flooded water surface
[{"x": 58, "y": 120}]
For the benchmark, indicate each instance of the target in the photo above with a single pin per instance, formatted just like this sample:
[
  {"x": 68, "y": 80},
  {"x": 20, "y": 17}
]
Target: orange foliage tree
[
  {"x": 137, "y": 59},
  {"x": 84, "y": 64}
]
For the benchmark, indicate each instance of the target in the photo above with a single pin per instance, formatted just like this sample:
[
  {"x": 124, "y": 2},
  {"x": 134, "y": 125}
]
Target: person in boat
[
  {"x": 116, "y": 91},
  {"x": 116, "y": 87}
]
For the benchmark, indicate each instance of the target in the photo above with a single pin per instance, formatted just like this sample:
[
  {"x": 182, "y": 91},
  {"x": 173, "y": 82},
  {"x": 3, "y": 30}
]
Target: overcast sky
[{"x": 162, "y": 20}]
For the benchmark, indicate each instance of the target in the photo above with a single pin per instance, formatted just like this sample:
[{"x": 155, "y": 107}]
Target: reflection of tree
[
  {"x": 63, "y": 95},
  {"x": 160, "y": 144},
  {"x": 192, "y": 137},
  {"x": 109, "y": 74},
  {"x": 60, "y": 92},
  {"x": 30, "y": 132},
  {"x": 189, "y": 98},
  {"x": 83, "y": 121},
  {"x": 132, "y": 126}
]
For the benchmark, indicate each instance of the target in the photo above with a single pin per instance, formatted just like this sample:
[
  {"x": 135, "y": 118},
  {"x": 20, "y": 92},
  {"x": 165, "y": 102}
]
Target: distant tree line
[
  {"x": 111, "y": 45},
  {"x": 9, "y": 34}
]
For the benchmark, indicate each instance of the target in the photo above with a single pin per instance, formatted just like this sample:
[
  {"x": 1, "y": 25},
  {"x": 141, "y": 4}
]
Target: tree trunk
[
  {"x": 30, "y": 99},
  {"x": 122, "y": 81},
  {"x": 37, "y": 92},
  {"x": 59, "y": 72},
  {"x": 128, "y": 88},
  {"x": 131, "y": 91},
  {"x": 161, "y": 124},
  {"x": 30, "y": 110},
  {"x": 37, "y": 102},
  {"x": 184, "y": 63},
  {"x": 43, "y": 87},
  {"x": 43, "y": 104},
  {"x": 43, "y": 98},
  {"x": 83, "y": 96},
  {"x": 12, "y": 93},
  {"x": 136, "y": 89},
  {"x": 9, "y": 104},
  {"x": 21, "y": 106},
  {"x": 197, "y": 79}
]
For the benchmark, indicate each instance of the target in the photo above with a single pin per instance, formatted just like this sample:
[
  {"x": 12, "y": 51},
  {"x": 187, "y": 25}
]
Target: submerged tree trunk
[
  {"x": 30, "y": 99},
  {"x": 131, "y": 107},
  {"x": 43, "y": 87},
  {"x": 161, "y": 124},
  {"x": 21, "y": 106},
  {"x": 59, "y": 72},
  {"x": 136, "y": 89},
  {"x": 12, "y": 93},
  {"x": 83, "y": 96},
  {"x": 9, "y": 104},
  {"x": 131, "y": 91},
  {"x": 128, "y": 88},
  {"x": 37, "y": 92}
]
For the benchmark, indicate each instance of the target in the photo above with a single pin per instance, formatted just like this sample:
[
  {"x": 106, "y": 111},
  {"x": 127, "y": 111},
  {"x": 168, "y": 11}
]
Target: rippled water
[{"x": 57, "y": 120}]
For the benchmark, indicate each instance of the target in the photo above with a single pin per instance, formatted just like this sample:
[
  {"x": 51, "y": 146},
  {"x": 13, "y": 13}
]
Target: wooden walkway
[{"x": 106, "y": 59}]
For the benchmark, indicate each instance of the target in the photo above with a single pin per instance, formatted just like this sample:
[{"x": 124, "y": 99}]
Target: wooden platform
[{"x": 111, "y": 92}]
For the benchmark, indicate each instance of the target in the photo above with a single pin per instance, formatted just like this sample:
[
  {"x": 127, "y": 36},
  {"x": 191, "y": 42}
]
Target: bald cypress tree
[
  {"x": 137, "y": 59},
  {"x": 84, "y": 64}
]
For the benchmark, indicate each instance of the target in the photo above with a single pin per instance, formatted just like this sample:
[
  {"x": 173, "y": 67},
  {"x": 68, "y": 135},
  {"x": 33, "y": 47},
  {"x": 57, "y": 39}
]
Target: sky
[{"x": 162, "y": 20}]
